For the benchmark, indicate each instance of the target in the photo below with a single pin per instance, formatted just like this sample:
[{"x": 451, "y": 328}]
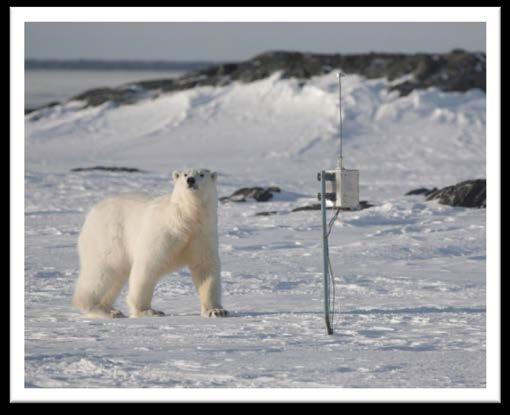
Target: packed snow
[{"x": 409, "y": 274}]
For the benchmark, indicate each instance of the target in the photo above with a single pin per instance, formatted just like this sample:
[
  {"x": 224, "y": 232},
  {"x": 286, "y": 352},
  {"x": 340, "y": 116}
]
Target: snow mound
[{"x": 272, "y": 119}]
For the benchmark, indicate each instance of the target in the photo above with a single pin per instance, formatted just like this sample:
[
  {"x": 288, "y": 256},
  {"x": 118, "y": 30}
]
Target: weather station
[{"x": 341, "y": 188}]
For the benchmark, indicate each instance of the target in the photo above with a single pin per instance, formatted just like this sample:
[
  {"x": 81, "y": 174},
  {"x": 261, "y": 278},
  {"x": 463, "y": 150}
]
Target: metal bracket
[
  {"x": 328, "y": 176},
  {"x": 328, "y": 196}
]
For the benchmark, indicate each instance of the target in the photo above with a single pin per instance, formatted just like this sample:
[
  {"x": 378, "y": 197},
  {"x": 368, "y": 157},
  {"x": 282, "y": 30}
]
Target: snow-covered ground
[{"x": 410, "y": 274}]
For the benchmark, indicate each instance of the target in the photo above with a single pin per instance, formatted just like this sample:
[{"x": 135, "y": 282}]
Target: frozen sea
[
  {"x": 43, "y": 86},
  {"x": 409, "y": 274}
]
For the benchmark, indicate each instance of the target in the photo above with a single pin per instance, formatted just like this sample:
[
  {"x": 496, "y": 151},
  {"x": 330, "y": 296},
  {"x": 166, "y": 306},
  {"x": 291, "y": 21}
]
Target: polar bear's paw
[
  {"x": 215, "y": 312},
  {"x": 102, "y": 312},
  {"x": 114, "y": 313},
  {"x": 148, "y": 313}
]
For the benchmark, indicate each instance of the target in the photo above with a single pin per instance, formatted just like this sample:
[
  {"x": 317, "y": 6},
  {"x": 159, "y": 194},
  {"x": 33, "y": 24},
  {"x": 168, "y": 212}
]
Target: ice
[{"x": 409, "y": 274}]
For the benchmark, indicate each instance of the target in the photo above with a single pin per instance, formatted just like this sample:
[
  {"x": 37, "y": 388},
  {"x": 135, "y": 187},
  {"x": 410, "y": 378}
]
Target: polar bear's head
[{"x": 200, "y": 183}]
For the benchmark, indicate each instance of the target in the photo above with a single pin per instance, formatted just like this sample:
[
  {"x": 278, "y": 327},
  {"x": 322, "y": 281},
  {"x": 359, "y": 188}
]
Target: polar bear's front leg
[
  {"x": 208, "y": 282},
  {"x": 141, "y": 288}
]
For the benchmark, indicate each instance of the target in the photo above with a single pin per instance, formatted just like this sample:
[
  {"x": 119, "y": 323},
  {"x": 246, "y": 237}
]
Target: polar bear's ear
[
  {"x": 213, "y": 175},
  {"x": 175, "y": 175}
]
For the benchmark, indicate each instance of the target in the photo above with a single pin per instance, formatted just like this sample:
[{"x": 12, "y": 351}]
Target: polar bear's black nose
[{"x": 191, "y": 181}]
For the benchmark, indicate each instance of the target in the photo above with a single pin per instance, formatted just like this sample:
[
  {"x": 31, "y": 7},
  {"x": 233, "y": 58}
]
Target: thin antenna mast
[{"x": 339, "y": 163}]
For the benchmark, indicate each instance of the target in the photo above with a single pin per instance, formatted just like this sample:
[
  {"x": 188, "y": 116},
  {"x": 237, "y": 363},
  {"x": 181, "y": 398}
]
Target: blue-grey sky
[{"x": 239, "y": 41}]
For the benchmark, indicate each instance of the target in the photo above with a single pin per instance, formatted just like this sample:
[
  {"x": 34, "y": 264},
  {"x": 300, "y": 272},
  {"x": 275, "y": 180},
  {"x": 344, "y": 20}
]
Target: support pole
[{"x": 325, "y": 252}]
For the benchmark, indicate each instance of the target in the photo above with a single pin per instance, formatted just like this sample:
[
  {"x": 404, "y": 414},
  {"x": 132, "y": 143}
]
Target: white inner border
[{"x": 491, "y": 16}]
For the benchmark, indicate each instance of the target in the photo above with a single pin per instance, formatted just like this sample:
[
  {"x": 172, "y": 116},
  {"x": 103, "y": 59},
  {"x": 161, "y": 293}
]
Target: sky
[{"x": 240, "y": 41}]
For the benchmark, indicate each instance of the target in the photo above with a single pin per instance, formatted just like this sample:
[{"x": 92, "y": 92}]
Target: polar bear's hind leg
[
  {"x": 96, "y": 292},
  {"x": 111, "y": 295}
]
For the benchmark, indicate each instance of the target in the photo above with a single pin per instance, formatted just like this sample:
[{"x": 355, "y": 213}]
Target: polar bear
[{"x": 141, "y": 238}]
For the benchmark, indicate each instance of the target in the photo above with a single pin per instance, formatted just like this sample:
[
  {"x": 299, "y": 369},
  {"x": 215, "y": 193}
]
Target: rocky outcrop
[
  {"x": 420, "y": 191},
  {"x": 470, "y": 193},
  {"x": 48, "y": 105},
  {"x": 455, "y": 71}
]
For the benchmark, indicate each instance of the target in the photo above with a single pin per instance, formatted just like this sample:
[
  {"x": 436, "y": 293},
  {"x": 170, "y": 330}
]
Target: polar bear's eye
[{"x": 185, "y": 174}]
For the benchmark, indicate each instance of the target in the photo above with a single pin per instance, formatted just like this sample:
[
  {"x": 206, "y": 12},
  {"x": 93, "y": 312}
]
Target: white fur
[{"x": 140, "y": 238}]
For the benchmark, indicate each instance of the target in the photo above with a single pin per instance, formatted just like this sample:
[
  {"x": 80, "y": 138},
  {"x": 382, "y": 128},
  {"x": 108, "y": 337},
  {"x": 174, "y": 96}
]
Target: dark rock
[
  {"x": 105, "y": 168},
  {"x": 124, "y": 95},
  {"x": 421, "y": 191},
  {"x": 470, "y": 193},
  {"x": 363, "y": 204},
  {"x": 48, "y": 105},
  {"x": 260, "y": 194},
  {"x": 268, "y": 213},
  {"x": 314, "y": 206},
  {"x": 455, "y": 71}
]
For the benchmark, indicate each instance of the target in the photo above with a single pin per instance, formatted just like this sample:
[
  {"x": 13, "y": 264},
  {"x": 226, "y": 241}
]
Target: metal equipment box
[{"x": 344, "y": 184}]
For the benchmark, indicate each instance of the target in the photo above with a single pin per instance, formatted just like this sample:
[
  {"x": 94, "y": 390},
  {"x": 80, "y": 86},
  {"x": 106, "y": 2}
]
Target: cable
[
  {"x": 333, "y": 296},
  {"x": 332, "y": 221}
]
